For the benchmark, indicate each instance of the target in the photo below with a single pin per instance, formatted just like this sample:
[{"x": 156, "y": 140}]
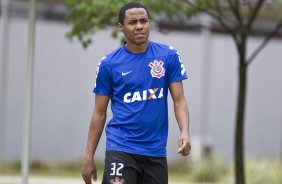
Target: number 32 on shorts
[{"x": 115, "y": 168}]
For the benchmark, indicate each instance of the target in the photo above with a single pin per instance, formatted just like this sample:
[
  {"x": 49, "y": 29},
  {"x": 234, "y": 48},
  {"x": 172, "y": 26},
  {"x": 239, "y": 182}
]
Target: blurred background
[{"x": 64, "y": 76}]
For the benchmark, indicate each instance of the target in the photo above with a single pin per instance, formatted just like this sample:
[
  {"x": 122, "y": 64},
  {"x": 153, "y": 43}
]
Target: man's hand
[
  {"x": 89, "y": 171},
  {"x": 184, "y": 145}
]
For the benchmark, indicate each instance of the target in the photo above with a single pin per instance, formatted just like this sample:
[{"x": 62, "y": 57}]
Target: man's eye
[
  {"x": 143, "y": 21},
  {"x": 132, "y": 22}
]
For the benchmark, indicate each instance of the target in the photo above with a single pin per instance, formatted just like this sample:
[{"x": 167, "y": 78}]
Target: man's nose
[{"x": 139, "y": 25}]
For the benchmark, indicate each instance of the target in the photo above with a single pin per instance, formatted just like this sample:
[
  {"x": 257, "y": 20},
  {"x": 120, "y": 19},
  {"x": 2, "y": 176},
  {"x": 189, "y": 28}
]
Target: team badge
[
  {"x": 157, "y": 69},
  {"x": 117, "y": 181}
]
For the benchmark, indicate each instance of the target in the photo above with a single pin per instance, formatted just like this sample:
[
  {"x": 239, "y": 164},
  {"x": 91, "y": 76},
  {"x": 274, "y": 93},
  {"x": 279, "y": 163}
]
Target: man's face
[{"x": 136, "y": 26}]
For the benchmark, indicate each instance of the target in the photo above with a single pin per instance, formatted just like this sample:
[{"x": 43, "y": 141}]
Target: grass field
[{"x": 208, "y": 170}]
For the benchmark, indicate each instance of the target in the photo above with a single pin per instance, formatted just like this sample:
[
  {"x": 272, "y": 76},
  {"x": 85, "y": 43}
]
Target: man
[{"x": 136, "y": 77}]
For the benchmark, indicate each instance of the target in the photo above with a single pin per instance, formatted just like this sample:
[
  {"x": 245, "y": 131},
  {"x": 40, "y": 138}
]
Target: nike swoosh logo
[{"x": 123, "y": 74}]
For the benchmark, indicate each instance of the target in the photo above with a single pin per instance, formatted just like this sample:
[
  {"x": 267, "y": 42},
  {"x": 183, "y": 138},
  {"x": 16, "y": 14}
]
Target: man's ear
[{"x": 120, "y": 27}]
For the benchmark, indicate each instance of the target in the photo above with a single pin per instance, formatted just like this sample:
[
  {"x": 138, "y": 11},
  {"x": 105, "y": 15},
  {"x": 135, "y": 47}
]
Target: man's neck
[{"x": 137, "y": 48}]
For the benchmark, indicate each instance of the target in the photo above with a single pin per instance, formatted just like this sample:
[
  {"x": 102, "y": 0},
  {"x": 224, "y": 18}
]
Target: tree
[
  {"x": 236, "y": 17},
  {"x": 88, "y": 16},
  {"x": 238, "y": 25}
]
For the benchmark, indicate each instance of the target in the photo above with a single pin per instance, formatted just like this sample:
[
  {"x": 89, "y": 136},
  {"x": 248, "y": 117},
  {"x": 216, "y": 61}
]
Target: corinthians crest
[
  {"x": 157, "y": 69},
  {"x": 117, "y": 181}
]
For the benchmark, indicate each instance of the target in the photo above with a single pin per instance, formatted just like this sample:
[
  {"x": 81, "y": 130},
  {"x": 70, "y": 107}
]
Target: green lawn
[{"x": 208, "y": 170}]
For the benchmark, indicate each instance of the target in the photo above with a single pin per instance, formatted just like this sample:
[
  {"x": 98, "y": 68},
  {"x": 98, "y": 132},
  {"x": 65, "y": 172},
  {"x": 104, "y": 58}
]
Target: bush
[
  {"x": 38, "y": 165},
  {"x": 263, "y": 171},
  {"x": 11, "y": 167},
  {"x": 209, "y": 169},
  {"x": 180, "y": 167}
]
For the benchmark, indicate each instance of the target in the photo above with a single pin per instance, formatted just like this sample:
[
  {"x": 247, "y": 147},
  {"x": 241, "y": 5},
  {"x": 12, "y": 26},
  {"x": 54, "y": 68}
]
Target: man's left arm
[{"x": 182, "y": 116}]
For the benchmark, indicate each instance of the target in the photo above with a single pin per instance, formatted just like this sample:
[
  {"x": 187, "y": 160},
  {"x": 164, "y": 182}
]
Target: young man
[{"x": 136, "y": 77}]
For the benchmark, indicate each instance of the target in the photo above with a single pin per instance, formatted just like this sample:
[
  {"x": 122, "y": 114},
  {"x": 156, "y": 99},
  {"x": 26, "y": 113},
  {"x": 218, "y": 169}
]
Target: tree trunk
[{"x": 239, "y": 132}]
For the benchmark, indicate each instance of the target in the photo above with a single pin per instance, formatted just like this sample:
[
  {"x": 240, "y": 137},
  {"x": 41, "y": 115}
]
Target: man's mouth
[{"x": 140, "y": 34}]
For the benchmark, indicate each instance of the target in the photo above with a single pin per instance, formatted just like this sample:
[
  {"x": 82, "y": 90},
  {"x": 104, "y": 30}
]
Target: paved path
[
  {"x": 44, "y": 180},
  {"x": 40, "y": 180}
]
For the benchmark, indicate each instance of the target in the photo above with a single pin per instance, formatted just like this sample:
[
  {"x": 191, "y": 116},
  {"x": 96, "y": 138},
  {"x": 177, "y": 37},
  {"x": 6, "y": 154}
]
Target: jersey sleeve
[
  {"x": 104, "y": 82},
  {"x": 176, "y": 70}
]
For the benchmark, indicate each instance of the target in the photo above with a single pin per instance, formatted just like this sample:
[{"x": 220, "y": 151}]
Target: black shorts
[{"x": 126, "y": 168}]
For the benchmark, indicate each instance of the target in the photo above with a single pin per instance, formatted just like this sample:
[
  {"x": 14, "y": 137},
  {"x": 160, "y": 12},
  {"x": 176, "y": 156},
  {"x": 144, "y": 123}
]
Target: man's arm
[
  {"x": 182, "y": 117},
  {"x": 95, "y": 131}
]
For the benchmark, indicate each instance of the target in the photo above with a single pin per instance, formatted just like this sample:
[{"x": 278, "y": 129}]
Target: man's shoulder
[
  {"x": 159, "y": 45},
  {"x": 162, "y": 48},
  {"x": 112, "y": 56}
]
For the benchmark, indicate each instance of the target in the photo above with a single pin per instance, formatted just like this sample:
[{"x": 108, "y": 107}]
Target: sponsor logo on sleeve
[
  {"x": 98, "y": 68},
  {"x": 181, "y": 64}
]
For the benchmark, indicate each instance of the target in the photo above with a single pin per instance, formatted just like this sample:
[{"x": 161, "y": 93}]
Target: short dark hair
[{"x": 127, "y": 6}]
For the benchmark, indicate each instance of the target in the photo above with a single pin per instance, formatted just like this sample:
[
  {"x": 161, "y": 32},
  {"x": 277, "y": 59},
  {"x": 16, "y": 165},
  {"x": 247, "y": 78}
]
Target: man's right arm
[{"x": 95, "y": 131}]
